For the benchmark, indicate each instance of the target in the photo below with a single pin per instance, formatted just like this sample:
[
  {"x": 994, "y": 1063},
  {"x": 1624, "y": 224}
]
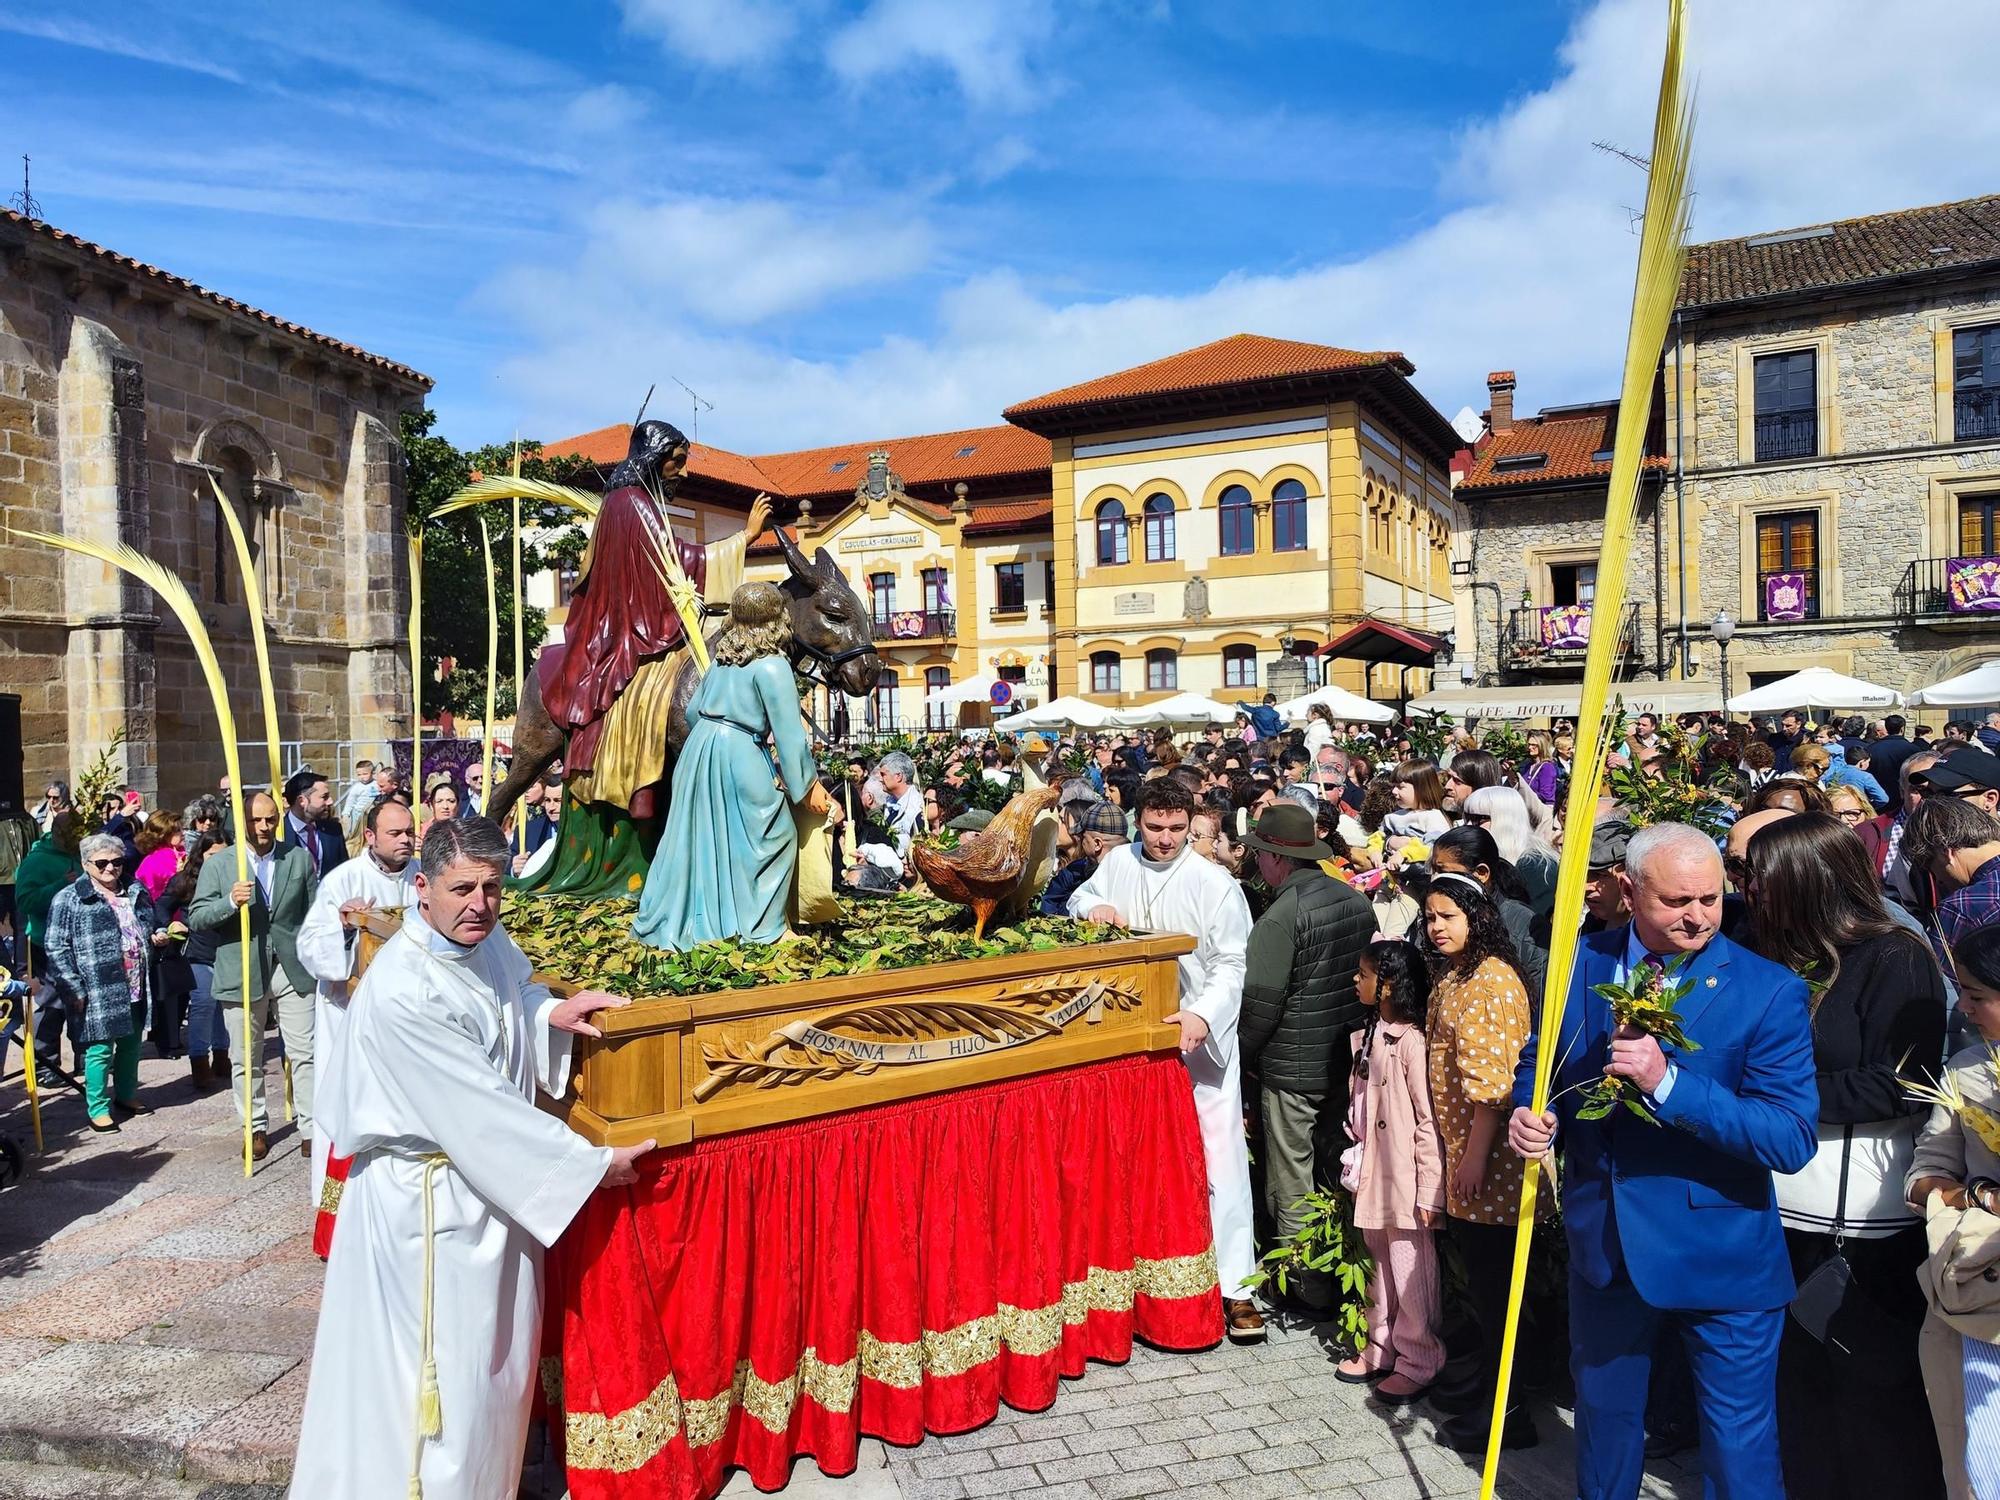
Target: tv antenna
[
  {"x": 1634, "y": 217},
  {"x": 696, "y": 409},
  {"x": 25, "y": 202}
]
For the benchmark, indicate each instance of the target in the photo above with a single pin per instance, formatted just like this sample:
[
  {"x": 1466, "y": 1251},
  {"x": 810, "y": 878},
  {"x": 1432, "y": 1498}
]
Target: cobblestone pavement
[{"x": 157, "y": 1310}]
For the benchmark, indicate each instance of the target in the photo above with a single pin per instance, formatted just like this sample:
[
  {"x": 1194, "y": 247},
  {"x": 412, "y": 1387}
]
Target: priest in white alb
[
  {"x": 1161, "y": 884},
  {"x": 429, "y": 1325},
  {"x": 383, "y": 879}
]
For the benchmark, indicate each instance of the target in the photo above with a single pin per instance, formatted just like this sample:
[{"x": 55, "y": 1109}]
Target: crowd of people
[
  {"x": 125, "y": 927},
  {"x": 1833, "y": 928},
  {"x": 1780, "y": 1231}
]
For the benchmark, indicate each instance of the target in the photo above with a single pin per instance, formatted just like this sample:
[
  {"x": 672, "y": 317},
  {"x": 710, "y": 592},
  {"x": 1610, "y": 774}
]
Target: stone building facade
[
  {"x": 124, "y": 391},
  {"x": 1533, "y": 498},
  {"x": 1838, "y": 453}
]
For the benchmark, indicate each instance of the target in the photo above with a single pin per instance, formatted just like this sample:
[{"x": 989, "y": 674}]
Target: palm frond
[
  {"x": 1662, "y": 254},
  {"x": 170, "y": 588},
  {"x": 512, "y": 487},
  {"x": 253, "y": 597},
  {"x": 492, "y": 659}
]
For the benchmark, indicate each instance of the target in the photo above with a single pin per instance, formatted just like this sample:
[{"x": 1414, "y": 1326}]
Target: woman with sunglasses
[
  {"x": 1853, "y": 1419},
  {"x": 101, "y": 934}
]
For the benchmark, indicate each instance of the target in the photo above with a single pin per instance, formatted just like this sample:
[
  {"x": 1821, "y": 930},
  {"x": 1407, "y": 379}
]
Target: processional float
[{"x": 918, "y": 1155}]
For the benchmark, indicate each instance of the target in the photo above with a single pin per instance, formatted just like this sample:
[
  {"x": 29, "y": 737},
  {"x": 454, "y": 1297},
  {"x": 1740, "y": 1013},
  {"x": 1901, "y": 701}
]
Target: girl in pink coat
[{"x": 1396, "y": 1173}]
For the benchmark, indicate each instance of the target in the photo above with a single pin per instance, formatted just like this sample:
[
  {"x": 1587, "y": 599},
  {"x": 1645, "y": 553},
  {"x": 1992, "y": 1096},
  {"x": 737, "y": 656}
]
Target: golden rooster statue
[{"x": 985, "y": 868}]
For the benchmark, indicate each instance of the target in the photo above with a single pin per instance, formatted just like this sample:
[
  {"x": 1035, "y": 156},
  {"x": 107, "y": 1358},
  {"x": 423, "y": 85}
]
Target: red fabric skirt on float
[{"x": 888, "y": 1272}]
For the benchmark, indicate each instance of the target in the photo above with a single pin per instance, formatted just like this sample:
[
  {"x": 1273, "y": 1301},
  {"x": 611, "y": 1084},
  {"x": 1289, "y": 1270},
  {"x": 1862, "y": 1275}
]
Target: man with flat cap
[{"x": 1300, "y": 1011}]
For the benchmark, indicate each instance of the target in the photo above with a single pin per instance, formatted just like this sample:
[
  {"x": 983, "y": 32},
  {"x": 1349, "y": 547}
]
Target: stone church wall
[{"x": 121, "y": 393}]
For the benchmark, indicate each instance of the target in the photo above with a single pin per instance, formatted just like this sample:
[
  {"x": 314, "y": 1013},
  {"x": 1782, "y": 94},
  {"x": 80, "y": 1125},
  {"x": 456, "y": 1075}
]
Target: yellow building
[
  {"x": 1188, "y": 525},
  {"x": 1245, "y": 500}
]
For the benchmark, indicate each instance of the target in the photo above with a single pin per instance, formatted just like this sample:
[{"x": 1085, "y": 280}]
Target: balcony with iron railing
[
  {"x": 1786, "y": 434},
  {"x": 1559, "y": 636},
  {"x": 1943, "y": 589},
  {"x": 1975, "y": 415},
  {"x": 914, "y": 625}
]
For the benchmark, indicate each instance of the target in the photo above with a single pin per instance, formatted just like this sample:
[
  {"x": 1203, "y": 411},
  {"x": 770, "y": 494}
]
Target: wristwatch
[{"x": 1978, "y": 1190}]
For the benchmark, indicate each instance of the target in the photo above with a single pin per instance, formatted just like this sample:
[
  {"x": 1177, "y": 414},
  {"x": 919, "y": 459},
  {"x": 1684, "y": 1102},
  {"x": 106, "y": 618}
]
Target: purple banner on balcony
[
  {"x": 1566, "y": 627},
  {"x": 1785, "y": 596},
  {"x": 1974, "y": 584}
]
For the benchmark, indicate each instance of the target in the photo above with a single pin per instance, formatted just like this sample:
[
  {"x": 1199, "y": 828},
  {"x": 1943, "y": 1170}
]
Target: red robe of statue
[{"x": 619, "y": 617}]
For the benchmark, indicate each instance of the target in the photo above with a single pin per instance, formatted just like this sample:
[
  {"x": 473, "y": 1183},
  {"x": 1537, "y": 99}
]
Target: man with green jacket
[
  {"x": 1300, "y": 1010},
  {"x": 50, "y": 864},
  {"x": 279, "y": 893}
]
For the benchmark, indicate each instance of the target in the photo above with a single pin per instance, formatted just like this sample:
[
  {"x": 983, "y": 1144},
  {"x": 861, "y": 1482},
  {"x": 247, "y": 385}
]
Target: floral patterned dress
[{"x": 1479, "y": 1023}]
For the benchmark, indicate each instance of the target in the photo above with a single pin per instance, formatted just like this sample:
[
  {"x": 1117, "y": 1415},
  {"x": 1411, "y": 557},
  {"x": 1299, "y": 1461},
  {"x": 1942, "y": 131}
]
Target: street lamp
[{"x": 1722, "y": 627}]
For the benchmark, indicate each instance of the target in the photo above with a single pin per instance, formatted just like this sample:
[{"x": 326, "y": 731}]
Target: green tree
[{"x": 434, "y": 470}]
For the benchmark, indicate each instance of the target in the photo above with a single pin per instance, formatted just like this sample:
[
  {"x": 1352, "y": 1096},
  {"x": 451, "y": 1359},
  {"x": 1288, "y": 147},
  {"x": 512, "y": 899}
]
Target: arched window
[
  {"x": 1162, "y": 670},
  {"x": 1114, "y": 543},
  {"x": 1239, "y": 666},
  {"x": 936, "y": 715},
  {"x": 1104, "y": 671},
  {"x": 885, "y": 701},
  {"x": 1159, "y": 528},
  {"x": 1239, "y": 522},
  {"x": 1288, "y": 516},
  {"x": 1315, "y": 665}
]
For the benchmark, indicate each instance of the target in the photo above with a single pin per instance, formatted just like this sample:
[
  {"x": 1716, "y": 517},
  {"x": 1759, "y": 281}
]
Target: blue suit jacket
[{"x": 1684, "y": 1208}]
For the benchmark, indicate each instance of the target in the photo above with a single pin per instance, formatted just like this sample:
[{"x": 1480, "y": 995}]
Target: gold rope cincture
[{"x": 430, "y": 1407}]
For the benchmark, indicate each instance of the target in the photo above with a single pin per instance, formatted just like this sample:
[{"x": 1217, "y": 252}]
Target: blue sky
[{"x": 849, "y": 218}]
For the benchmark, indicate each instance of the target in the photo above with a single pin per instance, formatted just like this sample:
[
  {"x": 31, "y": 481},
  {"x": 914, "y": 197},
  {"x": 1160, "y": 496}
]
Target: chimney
[{"x": 1500, "y": 400}]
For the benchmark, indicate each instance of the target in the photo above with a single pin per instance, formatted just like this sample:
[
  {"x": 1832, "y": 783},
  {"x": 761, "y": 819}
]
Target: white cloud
[
  {"x": 718, "y": 33},
  {"x": 983, "y": 44},
  {"x": 715, "y": 262},
  {"x": 1809, "y": 110},
  {"x": 607, "y": 109}
]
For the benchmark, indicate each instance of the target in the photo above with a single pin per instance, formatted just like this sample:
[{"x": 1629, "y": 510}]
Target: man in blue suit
[{"x": 1674, "y": 1223}]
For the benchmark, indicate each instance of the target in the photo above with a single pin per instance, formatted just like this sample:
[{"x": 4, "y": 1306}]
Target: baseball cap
[{"x": 1961, "y": 768}]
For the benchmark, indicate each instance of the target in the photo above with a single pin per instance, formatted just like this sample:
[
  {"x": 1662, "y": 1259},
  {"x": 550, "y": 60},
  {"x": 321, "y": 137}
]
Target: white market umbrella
[
  {"x": 1182, "y": 708},
  {"x": 1059, "y": 713},
  {"x": 1815, "y": 687},
  {"x": 1969, "y": 689},
  {"x": 975, "y": 689},
  {"x": 1339, "y": 702}
]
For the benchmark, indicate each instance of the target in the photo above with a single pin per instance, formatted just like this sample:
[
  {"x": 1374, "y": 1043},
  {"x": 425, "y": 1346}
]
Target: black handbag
[{"x": 1840, "y": 1314}]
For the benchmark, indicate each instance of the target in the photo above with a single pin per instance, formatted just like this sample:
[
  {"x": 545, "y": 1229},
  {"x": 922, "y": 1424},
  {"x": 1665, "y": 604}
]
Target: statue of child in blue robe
[{"x": 725, "y": 863}]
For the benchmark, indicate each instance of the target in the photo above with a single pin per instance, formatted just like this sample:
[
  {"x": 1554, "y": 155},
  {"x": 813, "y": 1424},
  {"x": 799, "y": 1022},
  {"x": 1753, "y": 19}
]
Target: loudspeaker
[{"x": 12, "y": 792}]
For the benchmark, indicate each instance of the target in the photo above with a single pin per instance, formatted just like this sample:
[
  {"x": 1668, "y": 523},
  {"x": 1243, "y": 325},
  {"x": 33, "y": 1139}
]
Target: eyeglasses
[
  {"x": 1851, "y": 815},
  {"x": 1478, "y": 820},
  {"x": 1737, "y": 868},
  {"x": 105, "y": 864}
]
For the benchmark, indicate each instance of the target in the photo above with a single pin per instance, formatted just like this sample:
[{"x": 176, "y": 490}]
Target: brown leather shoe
[
  {"x": 1241, "y": 1320},
  {"x": 306, "y": 1147},
  {"x": 260, "y": 1145}
]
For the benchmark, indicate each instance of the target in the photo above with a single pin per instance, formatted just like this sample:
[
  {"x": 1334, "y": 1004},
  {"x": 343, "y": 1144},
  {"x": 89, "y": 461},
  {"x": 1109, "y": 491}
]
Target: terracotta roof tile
[
  {"x": 1568, "y": 440},
  {"x": 1820, "y": 257},
  {"x": 1011, "y": 515},
  {"x": 139, "y": 269},
  {"x": 932, "y": 458},
  {"x": 1240, "y": 359},
  {"x": 929, "y": 459}
]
